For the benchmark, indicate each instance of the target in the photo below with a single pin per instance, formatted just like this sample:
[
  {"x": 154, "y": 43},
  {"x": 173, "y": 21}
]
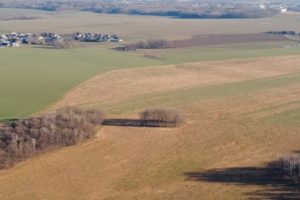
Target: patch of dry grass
[{"x": 118, "y": 86}]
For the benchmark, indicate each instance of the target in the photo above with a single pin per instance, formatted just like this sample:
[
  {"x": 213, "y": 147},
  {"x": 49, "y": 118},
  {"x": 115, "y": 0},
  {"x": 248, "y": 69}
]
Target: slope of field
[
  {"x": 32, "y": 78},
  {"x": 218, "y": 153},
  {"x": 131, "y": 84}
]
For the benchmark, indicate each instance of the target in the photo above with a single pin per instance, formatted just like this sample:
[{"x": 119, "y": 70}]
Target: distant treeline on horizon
[{"x": 184, "y": 10}]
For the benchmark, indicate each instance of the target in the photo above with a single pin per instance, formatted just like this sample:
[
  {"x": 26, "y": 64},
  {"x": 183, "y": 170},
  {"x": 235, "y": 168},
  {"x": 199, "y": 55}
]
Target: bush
[
  {"x": 24, "y": 138},
  {"x": 161, "y": 117},
  {"x": 149, "y": 44}
]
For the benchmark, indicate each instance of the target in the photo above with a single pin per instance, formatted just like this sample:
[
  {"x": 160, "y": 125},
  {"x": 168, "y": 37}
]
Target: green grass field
[{"x": 32, "y": 78}]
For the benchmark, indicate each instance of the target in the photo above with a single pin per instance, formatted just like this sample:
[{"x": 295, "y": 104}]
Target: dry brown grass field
[
  {"x": 216, "y": 154},
  {"x": 120, "y": 85}
]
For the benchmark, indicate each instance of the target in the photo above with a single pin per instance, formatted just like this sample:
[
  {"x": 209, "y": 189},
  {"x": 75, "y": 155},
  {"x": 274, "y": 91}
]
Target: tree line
[
  {"x": 283, "y": 32},
  {"x": 149, "y": 44},
  {"x": 27, "y": 137},
  {"x": 176, "y": 9}
]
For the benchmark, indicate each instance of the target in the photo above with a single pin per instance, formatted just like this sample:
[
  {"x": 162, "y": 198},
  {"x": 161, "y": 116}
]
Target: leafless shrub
[
  {"x": 149, "y": 44},
  {"x": 24, "y": 138},
  {"x": 161, "y": 117},
  {"x": 155, "y": 44}
]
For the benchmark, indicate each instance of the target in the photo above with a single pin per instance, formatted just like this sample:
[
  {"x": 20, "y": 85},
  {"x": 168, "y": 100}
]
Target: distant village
[{"x": 17, "y": 39}]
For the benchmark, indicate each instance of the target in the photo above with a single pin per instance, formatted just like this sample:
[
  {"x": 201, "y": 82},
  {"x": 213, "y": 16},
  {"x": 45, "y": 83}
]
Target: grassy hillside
[{"x": 33, "y": 78}]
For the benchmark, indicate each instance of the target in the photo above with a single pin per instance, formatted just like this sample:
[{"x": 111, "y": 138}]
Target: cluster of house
[
  {"x": 16, "y": 39},
  {"x": 90, "y": 37}
]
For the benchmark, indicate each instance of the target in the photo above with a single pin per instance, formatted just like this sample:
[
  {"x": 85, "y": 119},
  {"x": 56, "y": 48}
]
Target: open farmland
[
  {"x": 136, "y": 28},
  {"x": 26, "y": 73},
  {"x": 238, "y": 91},
  {"x": 33, "y": 78},
  {"x": 218, "y": 153}
]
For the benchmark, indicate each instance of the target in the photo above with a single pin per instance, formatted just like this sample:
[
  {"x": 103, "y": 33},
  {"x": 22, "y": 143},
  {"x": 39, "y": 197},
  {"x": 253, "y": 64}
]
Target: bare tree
[{"x": 161, "y": 117}]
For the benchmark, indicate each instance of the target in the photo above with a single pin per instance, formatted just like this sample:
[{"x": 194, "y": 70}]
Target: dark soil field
[{"x": 212, "y": 39}]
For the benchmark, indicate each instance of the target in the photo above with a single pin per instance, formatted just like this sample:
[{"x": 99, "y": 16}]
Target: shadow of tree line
[
  {"x": 137, "y": 123},
  {"x": 152, "y": 117},
  {"x": 277, "y": 184}
]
